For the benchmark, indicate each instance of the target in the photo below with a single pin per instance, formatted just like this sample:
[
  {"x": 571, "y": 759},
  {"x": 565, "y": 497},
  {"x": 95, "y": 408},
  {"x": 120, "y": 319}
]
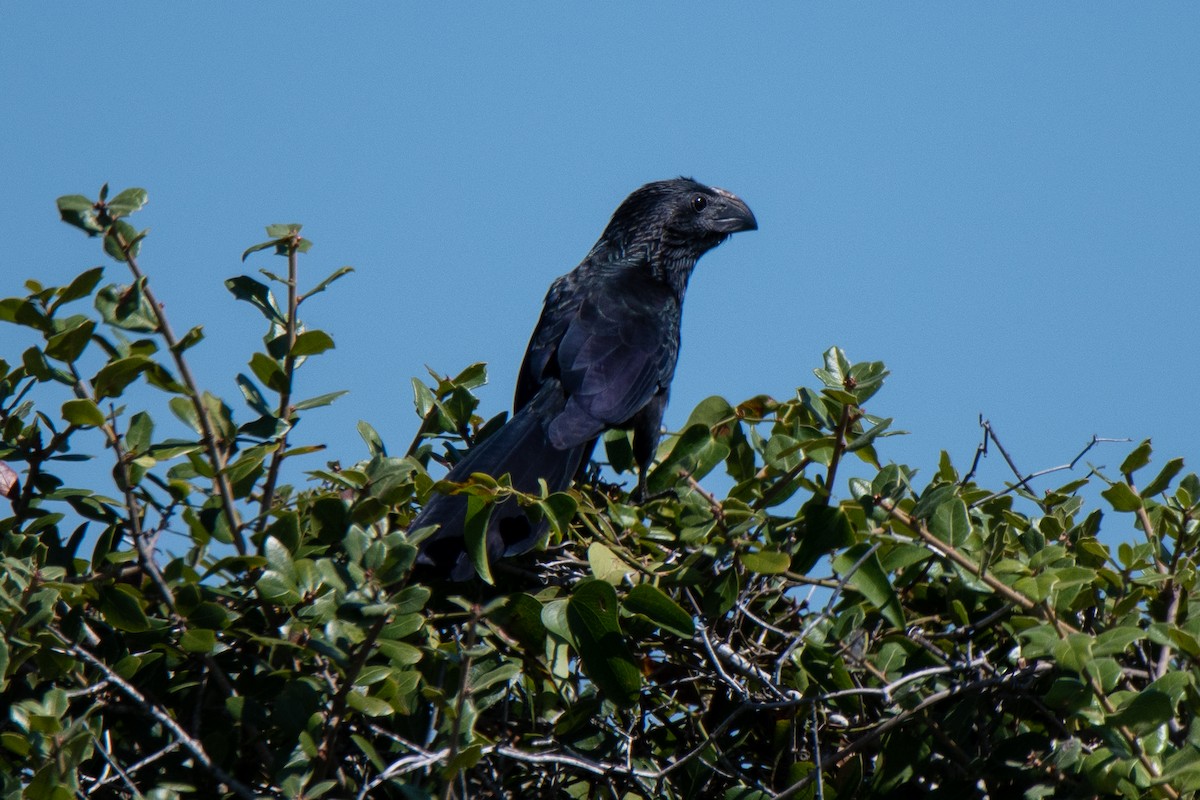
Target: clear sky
[{"x": 999, "y": 201}]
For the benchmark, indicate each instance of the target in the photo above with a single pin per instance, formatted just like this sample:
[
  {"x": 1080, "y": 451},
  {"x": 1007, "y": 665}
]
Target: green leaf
[
  {"x": 605, "y": 565},
  {"x": 81, "y": 286},
  {"x": 694, "y": 452},
  {"x": 127, "y": 202},
  {"x": 257, "y": 247},
  {"x": 83, "y": 413},
  {"x": 77, "y": 210},
  {"x": 1122, "y": 497},
  {"x": 870, "y": 435},
  {"x": 836, "y": 368},
  {"x": 185, "y": 410},
  {"x": 825, "y": 528},
  {"x": 3, "y": 663},
  {"x": 1144, "y": 712},
  {"x": 479, "y": 511},
  {"x": 618, "y": 448},
  {"x": 198, "y": 640},
  {"x": 743, "y": 792},
  {"x": 310, "y": 343},
  {"x": 257, "y": 294},
  {"x": 1139, "y": 458},
  {"x": 220, "y": 414},
  {"x": 1163, "y": 479},
  {"x": 714, "y": 411},
  {"x": 1115, "y": 641},
  {"x": 323, "y": 285},
  {"x": 766, "y": 562},
  {"x": 867, "y": 379},
  {"x": 70, "y": 344},
  {"x": 411, "y": 599},
  {"x": 372, "y": 439},
  {"x": 122, "y": 241},
  {"x": 931, "y": 500},
  {"x": 193, "y": 337},
  {"x": 121, "y": 607},
  {"x": 269, "y": 371},
  {"x": 279, "y": 230},
  {"x": 369, "y": 705},
  {"x": 594, "y": 625},
  {"x": 1074, "y": 652},
  {"x": 319, "y": 400},
  {"x": 502, "y": 674},
  {"x": 254, "y": 397},
  {"x": 655, "y": 605},
  {"x": 114, "y": 376},
  {"x": 127, "y": 307},
  {"x": 277, "y": 588},
  {"x": 279, "y": 558},
  {"x": 951, "y": 523},
  {"x": 522, "y": 619},
  {"x": 21, "y": 311},
  {"x": 871, "y": 582},
  {"x": 283, "y": 239},
  {"x": 559, "y": 509}
]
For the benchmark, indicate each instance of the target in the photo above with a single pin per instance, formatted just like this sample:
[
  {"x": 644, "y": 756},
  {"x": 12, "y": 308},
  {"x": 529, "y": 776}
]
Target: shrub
[{"x": 781, "y": 640}]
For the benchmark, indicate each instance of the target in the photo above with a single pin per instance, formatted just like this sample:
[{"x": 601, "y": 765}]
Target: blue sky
[{"x": 1000, "y": 202}]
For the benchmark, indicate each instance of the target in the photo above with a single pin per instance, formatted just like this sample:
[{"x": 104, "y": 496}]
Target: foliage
[{"x": 935, "y": 638}]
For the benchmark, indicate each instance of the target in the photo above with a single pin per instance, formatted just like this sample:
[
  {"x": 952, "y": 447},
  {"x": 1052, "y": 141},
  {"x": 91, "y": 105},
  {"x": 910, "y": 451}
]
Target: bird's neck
[
  {"x": 674, "y": 269},
  {"x": 663, "y": 263}
]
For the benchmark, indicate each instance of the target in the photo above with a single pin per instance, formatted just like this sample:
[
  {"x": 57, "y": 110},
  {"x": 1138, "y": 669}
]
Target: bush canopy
[{"x": 190, "y": 625}]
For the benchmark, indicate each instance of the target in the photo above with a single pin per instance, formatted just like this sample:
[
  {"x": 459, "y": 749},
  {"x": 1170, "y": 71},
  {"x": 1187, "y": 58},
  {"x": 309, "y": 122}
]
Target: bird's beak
[{"x": 733, "y": 214}]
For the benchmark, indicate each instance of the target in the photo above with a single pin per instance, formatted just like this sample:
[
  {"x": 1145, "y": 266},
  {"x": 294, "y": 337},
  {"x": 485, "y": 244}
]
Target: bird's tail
[{"x": 520, "y": 449}]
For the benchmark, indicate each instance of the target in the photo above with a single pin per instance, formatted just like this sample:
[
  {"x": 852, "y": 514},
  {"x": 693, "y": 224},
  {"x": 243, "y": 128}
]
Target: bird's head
[{"x": 679, "y": 215}]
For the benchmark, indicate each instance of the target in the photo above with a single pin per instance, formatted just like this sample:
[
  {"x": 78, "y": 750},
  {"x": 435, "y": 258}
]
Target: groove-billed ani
[{"x": 602, "y": 356}]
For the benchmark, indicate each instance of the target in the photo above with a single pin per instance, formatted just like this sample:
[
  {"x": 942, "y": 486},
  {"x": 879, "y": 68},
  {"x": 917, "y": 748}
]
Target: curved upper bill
[{"x": 733, "y": 213}]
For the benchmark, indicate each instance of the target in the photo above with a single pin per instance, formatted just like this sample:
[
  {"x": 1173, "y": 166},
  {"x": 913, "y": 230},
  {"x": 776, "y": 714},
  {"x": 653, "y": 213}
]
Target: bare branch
[{"x": 191, "y": 745}]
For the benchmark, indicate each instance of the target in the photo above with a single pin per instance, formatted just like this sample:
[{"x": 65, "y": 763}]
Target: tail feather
[{"x": 522, "y": 450}]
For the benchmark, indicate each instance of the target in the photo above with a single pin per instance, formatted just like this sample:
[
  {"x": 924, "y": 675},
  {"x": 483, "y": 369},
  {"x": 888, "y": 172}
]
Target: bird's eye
[{"x": 699, "y": 203}]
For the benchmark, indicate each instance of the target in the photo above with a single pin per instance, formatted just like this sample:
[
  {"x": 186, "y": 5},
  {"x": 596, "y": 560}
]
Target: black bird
[{"x": 602, "y": 356}]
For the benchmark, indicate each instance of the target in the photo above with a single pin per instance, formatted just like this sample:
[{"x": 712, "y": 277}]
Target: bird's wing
[
  {"x": 560, "y": 308},
  {"x": 616, "y": 353}
]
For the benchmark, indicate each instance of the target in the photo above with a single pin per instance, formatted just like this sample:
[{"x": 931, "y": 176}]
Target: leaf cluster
[{"x": 190, "y": 625}]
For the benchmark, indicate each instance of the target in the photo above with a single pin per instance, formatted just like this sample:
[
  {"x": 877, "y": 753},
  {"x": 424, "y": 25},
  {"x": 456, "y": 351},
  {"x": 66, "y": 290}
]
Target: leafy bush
[{"x": 940, "y": 639}]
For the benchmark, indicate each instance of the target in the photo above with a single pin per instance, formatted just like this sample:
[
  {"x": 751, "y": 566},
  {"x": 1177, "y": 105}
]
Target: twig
[
  {"x": 464, "y": 691},
  {"x": 989, "y": 434},
  {"x": 825, "y": 612},
  {"x": 878, "y": 730},
  {"x": 714, "y": 504},
  {"x": 134, "y": 767},
  {"x": 285, "y": 394},
  {"x": 817, "y": 753},
  {"x": 702, "y": 633},
  {"x": 192, "y": 745},
  {"x": 949, "y": 551},
  {"x": 208, "y": 430},
  {"x": 337, "y": 713},
  {"x": 839, "y": 448}
]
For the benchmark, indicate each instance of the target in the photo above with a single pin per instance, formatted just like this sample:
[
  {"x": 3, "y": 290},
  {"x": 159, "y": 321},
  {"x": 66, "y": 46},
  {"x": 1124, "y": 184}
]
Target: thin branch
[
  {"x": 285, "y": 394},
  {"x": 134, "y": 767},
  {"x": 949, "y": 551},
  {"x": 337, "y": 713},
  {"x": 825, "y": 612},
  {"x": 989, "y": 434},
  {"x": 208, "y": 430},
  {"x": 716, "y": 662},
  {"x": 847, "y": 419},
  {"x": 882, "y": 728},
  {"x": 464, "y": 692},
  {"x": 193, "y": 746}
]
